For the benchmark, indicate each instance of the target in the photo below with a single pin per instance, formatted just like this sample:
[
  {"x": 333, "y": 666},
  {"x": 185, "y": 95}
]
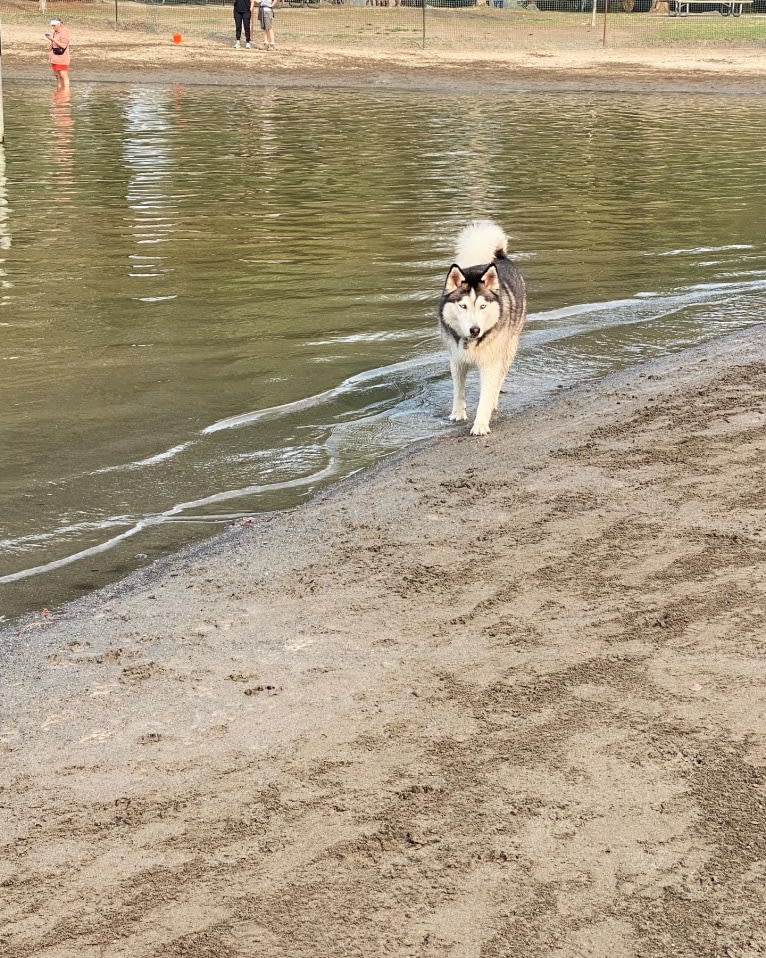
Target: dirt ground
[
  {"x": 497, "y": 697},
  {"x": 101, "y": 55}
]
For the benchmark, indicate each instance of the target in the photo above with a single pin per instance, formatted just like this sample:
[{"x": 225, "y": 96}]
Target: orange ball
[{"x": 177, "y": 38}]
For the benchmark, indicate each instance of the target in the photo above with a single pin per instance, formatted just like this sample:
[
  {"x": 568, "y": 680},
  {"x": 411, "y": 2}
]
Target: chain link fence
[{"x": 443, "y": 24}]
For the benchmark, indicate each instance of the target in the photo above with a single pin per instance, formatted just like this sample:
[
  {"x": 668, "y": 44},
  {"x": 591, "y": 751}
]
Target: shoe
[
  {"x": 248, "y": 45},
  {"x": 236, "y": 44}
]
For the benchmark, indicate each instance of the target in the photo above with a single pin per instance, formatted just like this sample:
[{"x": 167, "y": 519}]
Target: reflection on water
[{"x": 208, "y": 312}]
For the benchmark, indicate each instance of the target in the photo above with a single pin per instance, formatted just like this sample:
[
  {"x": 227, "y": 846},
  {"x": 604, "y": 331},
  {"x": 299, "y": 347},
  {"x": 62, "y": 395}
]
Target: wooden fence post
[{"x": 2, "y": 111}]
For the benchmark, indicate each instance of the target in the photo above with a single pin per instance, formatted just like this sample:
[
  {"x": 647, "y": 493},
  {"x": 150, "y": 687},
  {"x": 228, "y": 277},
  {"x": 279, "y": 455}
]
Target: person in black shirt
[{"x": 242, "y": 17}]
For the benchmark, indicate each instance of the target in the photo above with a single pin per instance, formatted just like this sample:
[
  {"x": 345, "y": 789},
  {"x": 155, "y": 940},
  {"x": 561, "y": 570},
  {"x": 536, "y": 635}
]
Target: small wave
[
  {"x": 162, "y": 456},
  {"x": 149, "y": 461},
  {"x": 702, "y": 249},
  {"x": 62, "y": 531},
  {"x": 329, "y": 471},
  {"x": 648, "y": 305},
  {"x": 68, "y": 560},
  {"x": 378, "y": 337},
  {"x": 378, "y": 374}
]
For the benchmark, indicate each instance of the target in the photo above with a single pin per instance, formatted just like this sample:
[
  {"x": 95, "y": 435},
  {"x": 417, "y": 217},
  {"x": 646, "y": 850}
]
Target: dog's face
[{"x": 471, "y": 301}]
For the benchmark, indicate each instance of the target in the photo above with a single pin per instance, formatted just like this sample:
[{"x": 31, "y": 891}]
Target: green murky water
[{"x": 214, "y": 302}]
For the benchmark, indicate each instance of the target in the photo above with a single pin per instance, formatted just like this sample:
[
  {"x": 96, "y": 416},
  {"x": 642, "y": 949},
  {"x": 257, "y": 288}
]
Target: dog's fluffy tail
[{"x": 480, "y": 242}]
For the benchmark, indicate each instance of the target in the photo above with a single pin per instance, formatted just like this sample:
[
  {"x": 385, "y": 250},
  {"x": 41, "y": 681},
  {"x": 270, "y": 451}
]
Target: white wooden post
[{"x": 2, "y": 114}]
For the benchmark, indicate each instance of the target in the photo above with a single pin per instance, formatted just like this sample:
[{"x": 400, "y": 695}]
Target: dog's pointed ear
[
  {"x": 491, "y": 280},
  {"x": 455, "y": 278}
]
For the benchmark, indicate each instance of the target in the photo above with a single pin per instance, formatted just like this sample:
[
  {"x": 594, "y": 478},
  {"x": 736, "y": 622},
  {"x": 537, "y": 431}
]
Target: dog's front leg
[
  {"x": 459, "y": 372},
  {"x": 491, "y": 379}
]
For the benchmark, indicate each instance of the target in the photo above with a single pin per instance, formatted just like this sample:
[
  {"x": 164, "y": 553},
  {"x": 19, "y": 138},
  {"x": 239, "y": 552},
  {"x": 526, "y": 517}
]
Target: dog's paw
[
  {"x": 480, "y": 429},
  {"x": 458, "y": 416}
]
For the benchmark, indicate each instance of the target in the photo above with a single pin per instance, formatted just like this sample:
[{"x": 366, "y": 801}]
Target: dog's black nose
[{"x": 474, "y": 331}]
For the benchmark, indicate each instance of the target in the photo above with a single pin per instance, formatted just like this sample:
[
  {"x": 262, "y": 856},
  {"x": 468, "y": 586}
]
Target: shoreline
[
  {"x": 501, "y": 695},
  {"x": 223, "y": 539}
]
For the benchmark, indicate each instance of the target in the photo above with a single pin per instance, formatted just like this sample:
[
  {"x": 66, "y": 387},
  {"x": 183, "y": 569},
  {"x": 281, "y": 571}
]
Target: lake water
[{"x": 216, "y": 302}]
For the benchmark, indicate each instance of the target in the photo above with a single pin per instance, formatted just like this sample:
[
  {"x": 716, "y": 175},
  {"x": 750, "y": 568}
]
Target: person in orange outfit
[{"x": 58, "y": 53}]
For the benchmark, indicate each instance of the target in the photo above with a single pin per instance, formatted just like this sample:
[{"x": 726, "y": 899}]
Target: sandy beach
[
  {"x": 551, "y": 63},
  {"x": 496, "y": 697}
]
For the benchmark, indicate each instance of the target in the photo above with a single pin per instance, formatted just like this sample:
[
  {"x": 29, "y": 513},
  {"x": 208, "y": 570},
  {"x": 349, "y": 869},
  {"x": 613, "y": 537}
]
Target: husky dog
[{"x": 481, "y": 314}]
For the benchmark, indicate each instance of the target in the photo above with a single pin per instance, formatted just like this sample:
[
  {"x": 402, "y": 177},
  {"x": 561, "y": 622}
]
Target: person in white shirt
[{"x": 266, "y": 21}]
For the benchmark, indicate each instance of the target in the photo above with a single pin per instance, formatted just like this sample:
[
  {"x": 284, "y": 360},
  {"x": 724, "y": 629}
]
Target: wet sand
[{"x": 496, "y": 697}]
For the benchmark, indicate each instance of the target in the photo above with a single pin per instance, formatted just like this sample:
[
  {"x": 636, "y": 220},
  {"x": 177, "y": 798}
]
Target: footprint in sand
[{"x": 139, "y": 672}]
